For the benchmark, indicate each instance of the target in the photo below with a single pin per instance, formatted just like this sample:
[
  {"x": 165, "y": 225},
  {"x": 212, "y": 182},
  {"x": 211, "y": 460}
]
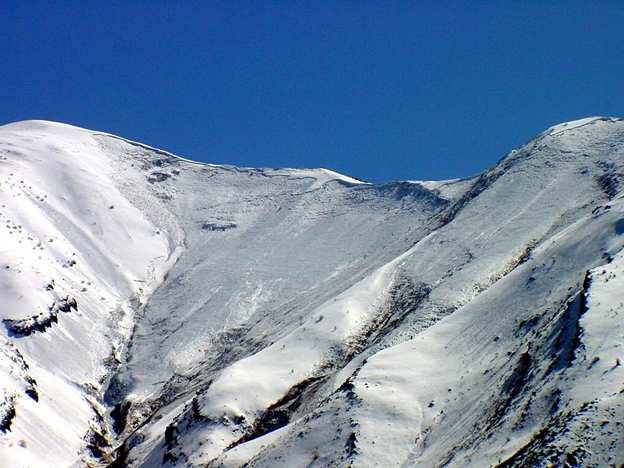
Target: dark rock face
[
  {"x": 36, "y": 323},
  {"x": 41, "y": 322},
  {"x": 217, "y": 226},
  {"x": 7, "y": 413},
  {"x": 609, "y": 181},
  {"x": 155, "y": 177}
]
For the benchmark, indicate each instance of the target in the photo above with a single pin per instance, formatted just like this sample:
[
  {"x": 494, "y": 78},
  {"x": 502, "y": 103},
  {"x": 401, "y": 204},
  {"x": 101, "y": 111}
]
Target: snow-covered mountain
[{"x": 161, "y": 312}]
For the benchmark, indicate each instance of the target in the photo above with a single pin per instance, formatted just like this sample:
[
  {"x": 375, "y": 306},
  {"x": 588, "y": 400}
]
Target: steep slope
[
  {"x": 503, "y": 377},
  {"x": 76, "y": 257},
  {"x": 93, "y": 224},
  {"x": 204, "y": 314}
]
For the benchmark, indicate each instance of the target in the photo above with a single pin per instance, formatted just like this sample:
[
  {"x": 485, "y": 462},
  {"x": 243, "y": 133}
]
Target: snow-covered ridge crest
[
  {"x": 573, "y": 124},
  {"x": 320, "y": 173}
]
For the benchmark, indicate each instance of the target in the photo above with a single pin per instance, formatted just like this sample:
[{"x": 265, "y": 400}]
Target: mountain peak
[{"x": 575, "y": 124}]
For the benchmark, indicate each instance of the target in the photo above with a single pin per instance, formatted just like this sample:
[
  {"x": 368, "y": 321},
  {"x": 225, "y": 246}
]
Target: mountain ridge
[
  {"x": 235, "y": 317},
  {"x": 43, "y": 123},
  {"x": 552, "y": 130}
]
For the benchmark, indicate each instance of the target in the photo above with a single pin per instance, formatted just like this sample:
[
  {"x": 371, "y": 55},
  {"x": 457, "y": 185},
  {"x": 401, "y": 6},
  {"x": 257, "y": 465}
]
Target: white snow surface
[{"x": 163, "y": 312}]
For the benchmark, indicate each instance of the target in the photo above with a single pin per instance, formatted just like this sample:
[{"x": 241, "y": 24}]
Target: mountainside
[{"x": 162, "y": 312}]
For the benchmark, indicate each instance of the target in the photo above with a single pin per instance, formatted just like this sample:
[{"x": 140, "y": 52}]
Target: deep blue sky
[{"x": 379, "y": 90}]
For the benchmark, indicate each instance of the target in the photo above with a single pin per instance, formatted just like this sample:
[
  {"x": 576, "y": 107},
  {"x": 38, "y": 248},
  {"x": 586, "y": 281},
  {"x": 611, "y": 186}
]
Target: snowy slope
[
  {"x": 76, "y": 255},
  {"x": 159, "y": 311}
]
